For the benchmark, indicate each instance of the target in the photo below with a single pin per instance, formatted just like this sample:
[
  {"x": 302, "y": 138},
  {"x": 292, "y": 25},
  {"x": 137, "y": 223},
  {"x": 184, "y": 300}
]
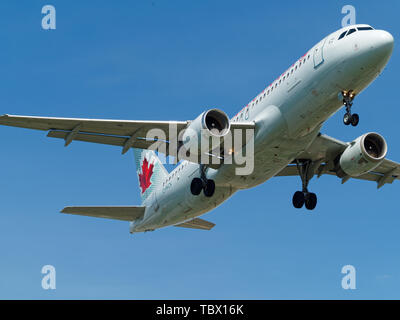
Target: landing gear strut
[
  {"x": 305, "y": 197},
  {"x": 349, "y": 118},
  {"x": 202, "y": 183}
]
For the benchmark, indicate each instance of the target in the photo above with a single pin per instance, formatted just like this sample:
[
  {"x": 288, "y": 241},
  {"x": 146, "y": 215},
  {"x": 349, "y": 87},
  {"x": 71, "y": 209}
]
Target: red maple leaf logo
[{"x": 144, "y": 177}]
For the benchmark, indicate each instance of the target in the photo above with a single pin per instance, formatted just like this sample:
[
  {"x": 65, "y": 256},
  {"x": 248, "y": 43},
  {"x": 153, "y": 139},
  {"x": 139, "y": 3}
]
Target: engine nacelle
[
  {"x": 213, "y": 123},
  {"x": 363, "y": 154}
]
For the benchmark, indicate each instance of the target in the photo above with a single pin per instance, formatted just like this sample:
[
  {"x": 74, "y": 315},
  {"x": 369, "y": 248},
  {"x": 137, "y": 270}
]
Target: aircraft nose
[{"x": 383, "y": 43}]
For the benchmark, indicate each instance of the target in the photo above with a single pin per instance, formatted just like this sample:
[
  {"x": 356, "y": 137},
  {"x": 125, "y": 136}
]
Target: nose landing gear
[
  {"x": 349, "y": 118},
  {"x": 304, "y": 197}
]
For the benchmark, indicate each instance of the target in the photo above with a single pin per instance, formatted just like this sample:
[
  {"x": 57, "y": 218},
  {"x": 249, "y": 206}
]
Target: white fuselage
[{"x": 288, "y": 115}]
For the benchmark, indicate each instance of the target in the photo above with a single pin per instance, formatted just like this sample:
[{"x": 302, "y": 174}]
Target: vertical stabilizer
[{"x": 150, "y": 171}]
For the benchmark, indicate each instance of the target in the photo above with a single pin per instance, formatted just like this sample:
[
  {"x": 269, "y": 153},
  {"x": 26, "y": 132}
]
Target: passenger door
[{"x": 318, "y": 54}]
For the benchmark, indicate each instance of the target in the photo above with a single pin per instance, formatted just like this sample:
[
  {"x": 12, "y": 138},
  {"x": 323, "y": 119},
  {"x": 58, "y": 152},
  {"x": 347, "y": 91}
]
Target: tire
[
  {"x": 196, "y": 186},
  {"x": 347, "y": 118},
  {"x": 355, "y": 119},
  {"x": 311, "y": 201},
  {"x": 298, "y": 199},
  {"x": 209, "y": 188}
]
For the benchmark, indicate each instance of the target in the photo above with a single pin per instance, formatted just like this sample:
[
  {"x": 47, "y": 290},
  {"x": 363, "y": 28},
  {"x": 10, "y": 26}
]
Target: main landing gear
[
  {"x": 305, "y": 197},
  {"x": 202, "y": 183},
  {"x": 349, "y": 118}
]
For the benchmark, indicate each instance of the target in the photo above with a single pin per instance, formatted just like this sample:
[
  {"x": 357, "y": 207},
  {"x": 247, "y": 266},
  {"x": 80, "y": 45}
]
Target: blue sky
[{"x": 171, "y": 60}]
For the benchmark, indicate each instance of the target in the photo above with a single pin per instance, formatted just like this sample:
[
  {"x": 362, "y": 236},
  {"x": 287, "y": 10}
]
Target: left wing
[{"x": 322, "y": 154}]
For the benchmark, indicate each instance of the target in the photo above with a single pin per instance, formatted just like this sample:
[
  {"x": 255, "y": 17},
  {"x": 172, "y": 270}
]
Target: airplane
[{"x": 285, "y": 118}]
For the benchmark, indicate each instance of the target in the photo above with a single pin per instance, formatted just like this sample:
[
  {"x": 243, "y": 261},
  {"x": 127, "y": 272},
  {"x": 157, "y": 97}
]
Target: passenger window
[{"x": 350, "y": 32}]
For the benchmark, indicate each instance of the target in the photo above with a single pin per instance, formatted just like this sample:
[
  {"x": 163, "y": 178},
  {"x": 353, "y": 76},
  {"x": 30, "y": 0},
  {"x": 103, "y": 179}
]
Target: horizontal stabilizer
[
  {"x": 197, "y": 224},
  {"x": 118, "y": 213}
]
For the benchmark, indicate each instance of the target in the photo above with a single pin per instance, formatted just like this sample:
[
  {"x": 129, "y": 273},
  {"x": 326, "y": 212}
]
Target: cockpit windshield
[
  {"x": 352, "y": 30},
  {"x": 342, "y": 35},
  {"x": 364, "y": 28}
]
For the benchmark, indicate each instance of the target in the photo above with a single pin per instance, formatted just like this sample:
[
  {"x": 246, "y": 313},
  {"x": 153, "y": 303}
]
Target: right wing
[
  {"x": 129, "y": 213},
  {"x": 197, "y": 223},
  {"x": 125, "y": 133}
]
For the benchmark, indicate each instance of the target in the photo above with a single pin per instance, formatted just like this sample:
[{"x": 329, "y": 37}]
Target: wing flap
[
  {"x": 125, "y": 213},
  {"x": 197, "y": 223},
  {"x": 102, "y": 139}
]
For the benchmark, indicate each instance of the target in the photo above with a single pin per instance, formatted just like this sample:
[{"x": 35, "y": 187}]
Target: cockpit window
[
  {"x": 351, "y": 31},
  {"x": 365, "y": 28},
  {"x": 342, "y": 35}
]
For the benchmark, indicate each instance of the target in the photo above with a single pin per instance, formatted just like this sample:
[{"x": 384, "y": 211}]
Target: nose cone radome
[{"x": 383, "y": 43}]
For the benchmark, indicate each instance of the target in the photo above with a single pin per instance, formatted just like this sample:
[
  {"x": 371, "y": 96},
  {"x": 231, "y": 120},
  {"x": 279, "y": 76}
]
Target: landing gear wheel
[
  {"x": 209, "y": 188},
  {"x": 347, "y": 119},
  {"x": 355, "y": 119},
  {"x": 306, "y": 169},
  {"x": 310, "y": 201},
  {"x": 196, "y": 186},
  {"x": 298, "y": 199}
]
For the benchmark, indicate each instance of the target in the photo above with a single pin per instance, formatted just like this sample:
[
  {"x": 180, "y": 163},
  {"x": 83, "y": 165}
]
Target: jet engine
[
  {"x": 211, "y": 125},
  {"x": 363, "y": 154}
]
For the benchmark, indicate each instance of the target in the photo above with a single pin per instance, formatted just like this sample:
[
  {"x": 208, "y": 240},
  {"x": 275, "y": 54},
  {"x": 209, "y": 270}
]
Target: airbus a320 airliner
[{"x": 286, "y": 118}]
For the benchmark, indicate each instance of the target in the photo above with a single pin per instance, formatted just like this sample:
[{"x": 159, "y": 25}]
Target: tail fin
[{"x": 150, "y": 171}]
